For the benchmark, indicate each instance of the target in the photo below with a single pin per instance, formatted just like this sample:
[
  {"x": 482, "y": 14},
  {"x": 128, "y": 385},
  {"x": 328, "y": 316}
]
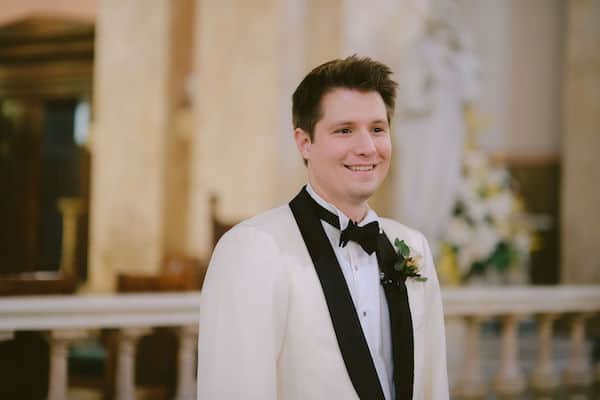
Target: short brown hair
[{"x": 360, "y": 73}]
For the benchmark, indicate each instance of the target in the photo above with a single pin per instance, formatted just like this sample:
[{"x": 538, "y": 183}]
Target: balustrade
[
  {"x": 508, "y": 305},
  {"x": 62, "y": 319},
  {"x": 544, "y": 377}
]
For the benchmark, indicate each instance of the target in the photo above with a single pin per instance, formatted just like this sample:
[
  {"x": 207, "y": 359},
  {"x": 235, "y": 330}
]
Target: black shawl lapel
[
  {"x": 346, "y": 324},
  {"x": 400, "y": 322}
]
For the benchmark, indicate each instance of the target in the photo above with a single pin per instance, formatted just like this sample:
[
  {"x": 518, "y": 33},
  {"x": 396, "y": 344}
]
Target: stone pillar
[
  {"x": 295, "y": 49},
  {"x": 234, "y": 147},
  {"x": 471, "y": 382},
  {"x": 58, "y": 374},
  {"x": 177, "y": 172},
  {"x": 125, "y": 373},
  {"x": 129, "y": 139},
  {"x": 581, "y": 142},
  {"x": 510, "y": 379},
  {"x": 544, "y": 376},
  {"x": 186, "y": 363},
  {"x": 578, "y": 372}
]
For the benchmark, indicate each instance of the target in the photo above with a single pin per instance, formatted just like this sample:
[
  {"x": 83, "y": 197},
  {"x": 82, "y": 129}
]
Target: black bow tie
[{"x": 366, "y": 236}]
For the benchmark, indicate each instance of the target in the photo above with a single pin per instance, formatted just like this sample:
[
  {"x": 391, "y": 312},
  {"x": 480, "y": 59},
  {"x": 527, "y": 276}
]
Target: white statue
[{"x": 437, "y": 77}]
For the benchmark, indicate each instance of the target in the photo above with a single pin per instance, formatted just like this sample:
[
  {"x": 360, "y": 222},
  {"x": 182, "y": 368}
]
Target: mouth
[{"x": 361, "y": 168}]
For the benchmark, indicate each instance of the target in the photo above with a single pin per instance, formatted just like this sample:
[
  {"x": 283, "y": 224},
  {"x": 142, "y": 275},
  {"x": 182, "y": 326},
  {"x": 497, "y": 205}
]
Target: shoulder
[
  {"x": 249, "y": 251},
  {"x": 270, "y": 220},
  {"x": 264, "y": 229}
]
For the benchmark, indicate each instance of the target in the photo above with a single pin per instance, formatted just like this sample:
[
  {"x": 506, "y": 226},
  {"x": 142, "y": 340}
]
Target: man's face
[{"x": 349, "y": 155}]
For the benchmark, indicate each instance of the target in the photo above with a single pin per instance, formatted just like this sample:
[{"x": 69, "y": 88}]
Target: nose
[{"x": 365, "y": 144}]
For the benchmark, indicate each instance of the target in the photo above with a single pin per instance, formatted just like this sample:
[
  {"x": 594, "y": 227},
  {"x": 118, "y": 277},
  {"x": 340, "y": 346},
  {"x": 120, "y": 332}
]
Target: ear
[{"x": 303, "y": 142}]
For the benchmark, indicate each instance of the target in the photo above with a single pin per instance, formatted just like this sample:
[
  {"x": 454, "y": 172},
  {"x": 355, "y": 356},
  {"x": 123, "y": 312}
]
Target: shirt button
[{"x": 364, "y": 313}]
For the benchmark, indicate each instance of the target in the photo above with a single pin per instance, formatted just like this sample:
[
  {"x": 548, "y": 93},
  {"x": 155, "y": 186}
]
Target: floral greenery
[
  {"x": 488, "y": 230},
  {"x": 407, "y": 265}
]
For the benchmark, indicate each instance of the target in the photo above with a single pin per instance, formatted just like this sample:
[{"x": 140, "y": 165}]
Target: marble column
[
  {"x": 509, "y": 379},
  {"x": 129, "y": 139},
  {"x": 125, "y": 372},
  {"x": 578, "y": 372},
  {"x": 544, "y": 376},
  {"x": 186, "y": 363},
  {"x": 234, "y": 147},
  {"x": 471, "y": 382},
  {"x": 58, "y": 372},
  {"x": 580, "y": 214}
]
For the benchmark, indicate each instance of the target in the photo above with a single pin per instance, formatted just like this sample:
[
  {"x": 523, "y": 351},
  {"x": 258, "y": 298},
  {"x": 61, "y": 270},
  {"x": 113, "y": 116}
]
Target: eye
[
  {"x": 378, "y": 129},
  {"x": 344, "y": 130}
]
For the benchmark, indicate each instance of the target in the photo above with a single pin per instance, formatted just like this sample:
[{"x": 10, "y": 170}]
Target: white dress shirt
[{"x": 361, "y": 272}]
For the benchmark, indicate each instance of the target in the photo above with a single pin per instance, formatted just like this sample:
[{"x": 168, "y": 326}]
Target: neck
[{"x": 356, "y": 211}]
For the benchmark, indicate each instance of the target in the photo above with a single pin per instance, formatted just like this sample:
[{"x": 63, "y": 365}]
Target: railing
[
  {"x": 63, "y": 319},
  {"x": 67, "y": 318},
  {"x": 509, "y": 305}
]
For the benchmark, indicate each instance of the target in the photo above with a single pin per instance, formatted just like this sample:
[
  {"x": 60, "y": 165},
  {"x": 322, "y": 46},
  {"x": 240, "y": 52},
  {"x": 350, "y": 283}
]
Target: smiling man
[{"x": 321, "y": 298}]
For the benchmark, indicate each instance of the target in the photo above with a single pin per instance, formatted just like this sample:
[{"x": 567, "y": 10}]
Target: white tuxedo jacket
[{"x": 265, "y": 329}]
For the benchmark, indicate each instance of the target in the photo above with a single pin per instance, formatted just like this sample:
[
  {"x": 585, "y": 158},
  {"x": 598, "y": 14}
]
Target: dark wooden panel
[{"x": 539, "y": 184}]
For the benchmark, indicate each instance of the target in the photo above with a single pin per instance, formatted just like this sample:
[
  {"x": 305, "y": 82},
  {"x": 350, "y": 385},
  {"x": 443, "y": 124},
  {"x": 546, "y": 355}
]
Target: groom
[{"x": 321, "y": 298}]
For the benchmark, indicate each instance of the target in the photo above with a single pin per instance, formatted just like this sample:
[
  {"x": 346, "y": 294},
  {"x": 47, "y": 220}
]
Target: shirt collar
[{"x": 344, "y": 219}]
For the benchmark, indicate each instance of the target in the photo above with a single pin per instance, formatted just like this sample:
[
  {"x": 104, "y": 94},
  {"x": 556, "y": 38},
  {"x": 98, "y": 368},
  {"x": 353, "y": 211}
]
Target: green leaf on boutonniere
[
  {"x": 403, "y": 248},
  {"x": 406, "y": 264}
]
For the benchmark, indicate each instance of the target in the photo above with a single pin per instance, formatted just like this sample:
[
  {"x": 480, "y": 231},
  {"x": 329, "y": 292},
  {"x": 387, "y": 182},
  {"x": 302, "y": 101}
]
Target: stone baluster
[
  {"x": 186, "y": 385},
  {"x": 578, "y": 372},
  {"x": 471, "y": 382},
  {"x": 544, "y": 376},
  {"x": 58, "y": 375},
  {"x": 510, "y": 379},
  {"x": 125, "y": 379}
]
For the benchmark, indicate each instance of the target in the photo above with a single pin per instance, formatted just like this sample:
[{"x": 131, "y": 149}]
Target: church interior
[{"x": 133, "y": 134}]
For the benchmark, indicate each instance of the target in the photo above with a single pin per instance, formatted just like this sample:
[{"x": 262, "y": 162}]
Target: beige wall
[
  {"x": 581, "y": 145},
  {"x": 519, "y": 45}
]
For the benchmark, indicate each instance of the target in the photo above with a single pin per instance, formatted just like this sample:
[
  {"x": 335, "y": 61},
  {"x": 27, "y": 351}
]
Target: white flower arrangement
[{"x": 488, "y": 231}]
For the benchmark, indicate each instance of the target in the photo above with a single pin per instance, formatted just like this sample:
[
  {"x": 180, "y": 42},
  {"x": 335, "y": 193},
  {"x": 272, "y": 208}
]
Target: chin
[{"x": 363, "y": 193}]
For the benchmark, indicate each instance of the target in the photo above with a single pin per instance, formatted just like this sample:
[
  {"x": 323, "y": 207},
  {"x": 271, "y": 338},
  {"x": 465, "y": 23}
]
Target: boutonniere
[{"x": 407, "y": 264}]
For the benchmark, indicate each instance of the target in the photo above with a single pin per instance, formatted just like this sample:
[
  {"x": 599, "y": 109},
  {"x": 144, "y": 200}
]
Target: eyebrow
[
  {"x": 380, "y": 121},
  {"x": 346, "y": 123}
]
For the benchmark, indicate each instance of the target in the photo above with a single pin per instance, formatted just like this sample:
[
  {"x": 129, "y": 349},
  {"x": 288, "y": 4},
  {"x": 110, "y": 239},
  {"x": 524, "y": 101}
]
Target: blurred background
[{"x": 134, "y": 133}]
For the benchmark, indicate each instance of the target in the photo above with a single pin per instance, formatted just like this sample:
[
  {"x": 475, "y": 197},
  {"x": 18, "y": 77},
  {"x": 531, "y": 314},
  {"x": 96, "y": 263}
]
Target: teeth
[{"x": 361, "y": 168}]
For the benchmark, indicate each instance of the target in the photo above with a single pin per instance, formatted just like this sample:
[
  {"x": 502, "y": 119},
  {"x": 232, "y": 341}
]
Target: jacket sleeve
[
  {"x": 436, "y": 375},
  {"x": 242, "y": 318}
]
